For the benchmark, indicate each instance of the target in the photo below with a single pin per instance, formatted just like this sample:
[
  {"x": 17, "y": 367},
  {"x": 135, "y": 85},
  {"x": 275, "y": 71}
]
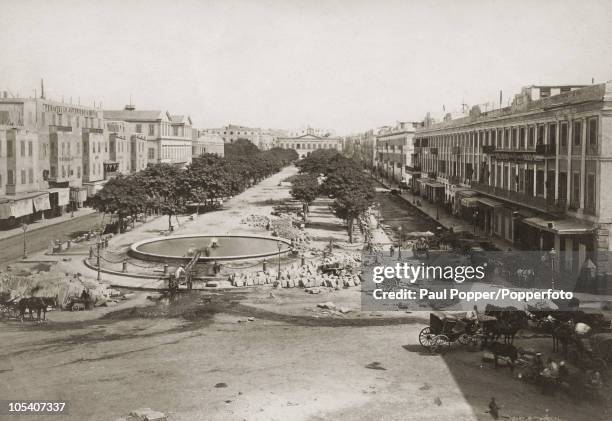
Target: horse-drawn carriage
[{"x": 444, "y": 329}]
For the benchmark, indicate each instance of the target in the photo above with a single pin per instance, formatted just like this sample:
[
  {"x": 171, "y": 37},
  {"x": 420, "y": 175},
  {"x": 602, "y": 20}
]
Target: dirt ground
[{"x": 202, "y": 359}]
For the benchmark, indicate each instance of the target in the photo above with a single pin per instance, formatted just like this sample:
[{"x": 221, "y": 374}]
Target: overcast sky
[{"x": 345, "y": 65}]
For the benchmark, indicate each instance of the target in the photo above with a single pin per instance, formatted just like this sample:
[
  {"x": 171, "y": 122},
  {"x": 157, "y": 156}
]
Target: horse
[
  {"x": 38, "y": 304},
  {"x": 563, "y": 333},
  {"x": 509, "y": 321}
]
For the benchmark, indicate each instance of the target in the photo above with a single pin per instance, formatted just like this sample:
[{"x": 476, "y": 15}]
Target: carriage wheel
[
  {"x": 426, "y": 337},
  {"x": 441, "y": 343}
]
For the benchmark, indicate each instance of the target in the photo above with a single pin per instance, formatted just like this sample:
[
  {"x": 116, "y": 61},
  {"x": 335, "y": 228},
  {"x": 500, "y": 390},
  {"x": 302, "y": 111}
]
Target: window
[
  {"x": 30, "y": 176},
  {"x": 577, "y": 135},
  {"x": 151, "y": 153},
  {"x": 522, "y": 138},
  {"x": 151, "y": 129},
  {"x": 30, "y": 147},
  {"x": 590, "y": 192},
  {"x": 531, "y": 137},
  {"x": 63, "y": 172},
  {"x": 139, "y": 128},
  {"x": 540, "y": 140},
  {"x": 592, "y": 132},
  {"x": 23, "y": 177},
  {"x": 23, "y": 148},
  {"x": 563, "y": 136},
  {"x": 575, "y": 190},
  {"x": 44, "y": 150},
  {"x": 175, "y": 130},
  {"x": 552, "y": 134},
  {"x": 11, "y": 177},
  {"x": 79, "y": 172}
]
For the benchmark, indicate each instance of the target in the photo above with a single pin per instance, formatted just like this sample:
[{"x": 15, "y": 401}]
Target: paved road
[{"x": 37, "y": 240}]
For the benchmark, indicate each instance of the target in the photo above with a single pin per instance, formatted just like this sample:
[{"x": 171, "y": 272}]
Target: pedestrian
[{"x": 493, "y": 409}]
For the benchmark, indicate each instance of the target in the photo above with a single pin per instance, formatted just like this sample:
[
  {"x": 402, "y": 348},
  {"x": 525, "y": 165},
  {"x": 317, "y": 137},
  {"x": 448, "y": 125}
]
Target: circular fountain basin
[{"x": 230, "y": 247}]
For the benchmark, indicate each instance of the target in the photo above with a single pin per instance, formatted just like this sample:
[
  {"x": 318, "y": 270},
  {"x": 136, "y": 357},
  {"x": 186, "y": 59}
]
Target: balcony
[
  {"x": 456, "y": 150},
  {"x": 433, "y": 151},
  {"x": 524, "y": 199},
  {"x": 546, "y": 150},
  {"x": 454, "y": 179},
  {"x": 488, "y": 149},
  {"x": 55, "y": 129}
]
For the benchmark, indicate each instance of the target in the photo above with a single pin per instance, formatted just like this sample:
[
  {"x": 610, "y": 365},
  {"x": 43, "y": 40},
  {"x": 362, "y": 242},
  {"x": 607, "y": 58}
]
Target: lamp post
[
  {"x": 399, "y": 244},
  {"x": 24, "y": 227},
  {"x": 475, "y": 216},
  {"x": 99, "y": 244},
  {"x": 279, "y": 245},
  {"x": 553, "y": 266}
]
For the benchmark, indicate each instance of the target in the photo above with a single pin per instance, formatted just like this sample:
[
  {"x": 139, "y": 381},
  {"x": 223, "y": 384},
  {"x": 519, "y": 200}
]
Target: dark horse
[
  {"x": 509, "y": 321},
  {"x": 38, "y": 304}
]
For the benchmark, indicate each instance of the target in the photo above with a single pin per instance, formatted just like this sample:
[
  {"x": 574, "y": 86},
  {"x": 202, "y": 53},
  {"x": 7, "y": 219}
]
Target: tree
[
  {"x": 353, "y": 194},
  {"x": 305, "y": 188},
  {"x": 121, "y": 196},
  {"x": 167, "y": 189}
]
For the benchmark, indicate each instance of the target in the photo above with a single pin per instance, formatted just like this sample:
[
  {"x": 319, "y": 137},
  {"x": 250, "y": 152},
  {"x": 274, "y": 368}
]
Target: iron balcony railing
[{"x": 537, "y": 202}]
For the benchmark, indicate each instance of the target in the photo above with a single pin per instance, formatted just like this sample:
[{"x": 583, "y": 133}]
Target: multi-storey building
[
  {"x": 394, "y": 152},
  {"x": 362, "y": 147},
  {"x": 309, "y": 142},
  {"x": 168, "y": 136},
  {"x": 55, "y": 133},
  {"x": 533, "y": 173},
  {"x": 264, "y": 139},
  {"x": 127, "y": 150}
]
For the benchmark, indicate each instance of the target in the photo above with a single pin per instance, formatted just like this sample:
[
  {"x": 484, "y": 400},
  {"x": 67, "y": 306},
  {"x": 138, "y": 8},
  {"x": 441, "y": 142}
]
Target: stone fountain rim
[{"x": 143, "y": 255}]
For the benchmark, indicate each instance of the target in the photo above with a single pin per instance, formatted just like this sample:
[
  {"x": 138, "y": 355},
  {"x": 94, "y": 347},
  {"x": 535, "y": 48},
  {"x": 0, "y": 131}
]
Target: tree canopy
[{"x": 168, "y": 188}]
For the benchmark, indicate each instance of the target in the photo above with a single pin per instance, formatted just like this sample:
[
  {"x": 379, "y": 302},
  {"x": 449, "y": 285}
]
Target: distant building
[
  {"x": 264, "y": 139},
  {"x": 169, "y": 137},
  {"x": 208, "y": 143},
  {"x": 307, "y": 143}
]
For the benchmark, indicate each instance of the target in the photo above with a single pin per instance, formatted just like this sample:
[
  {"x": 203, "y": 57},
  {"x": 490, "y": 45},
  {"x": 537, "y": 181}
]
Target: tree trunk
[
  {"x": 349, "y": 225},
  {"x": 170, "y": 222}
]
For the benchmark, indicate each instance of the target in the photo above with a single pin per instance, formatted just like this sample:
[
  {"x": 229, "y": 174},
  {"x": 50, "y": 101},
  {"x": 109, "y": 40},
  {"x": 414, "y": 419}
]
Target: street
[{"x": 39, "y": 239}]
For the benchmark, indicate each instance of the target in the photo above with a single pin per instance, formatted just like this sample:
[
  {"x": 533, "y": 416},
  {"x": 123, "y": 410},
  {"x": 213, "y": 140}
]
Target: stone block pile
[{"x": 295, "y": 276}]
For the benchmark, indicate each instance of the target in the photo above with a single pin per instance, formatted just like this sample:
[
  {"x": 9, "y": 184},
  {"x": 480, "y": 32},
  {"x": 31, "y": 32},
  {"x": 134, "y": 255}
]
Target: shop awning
[
  {"x": 560, "y": 226},
  {"x": 469, "y": 202},
  {"x": 63, "y": 195},
  {"x": 41, "y": 203},
  {"x": 23, "y": 204},
  {"x": 465, "y": 193},
  {"x": 93, "y": 188},
  {"x": 490, "y": 202}
]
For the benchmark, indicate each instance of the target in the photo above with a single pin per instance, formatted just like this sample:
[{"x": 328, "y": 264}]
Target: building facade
[
  {"x": 307, "y": 143},
  {"x": 394, "y": 152},
  {"x": 534, "y": 173},
  {"x": 169, "y": 137},
  {"x": 44, "y": 170}
]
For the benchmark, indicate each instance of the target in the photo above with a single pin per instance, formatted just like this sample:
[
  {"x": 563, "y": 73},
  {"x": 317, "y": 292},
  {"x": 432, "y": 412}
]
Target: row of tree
[
  {"x": 170, "y": 190},
  {"x": 327, "y": 172}
]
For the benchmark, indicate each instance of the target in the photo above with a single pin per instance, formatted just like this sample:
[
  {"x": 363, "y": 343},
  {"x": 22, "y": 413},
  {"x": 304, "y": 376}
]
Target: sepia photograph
[{"x": 306, "y": 210}]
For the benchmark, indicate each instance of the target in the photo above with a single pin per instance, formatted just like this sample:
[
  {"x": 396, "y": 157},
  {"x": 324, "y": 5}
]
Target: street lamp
[
  {"x": 24, "y": 227},
  {"x": 475, "y": 216},
  {"x": 99, "y": 244},
  {"x": 279, "y": 244},
  {"x": 399, "y": 244},
  {"x": 553, "y": 266}
]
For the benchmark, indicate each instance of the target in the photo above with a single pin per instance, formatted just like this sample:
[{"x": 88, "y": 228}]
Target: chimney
[{"x": 42, "y": 88}]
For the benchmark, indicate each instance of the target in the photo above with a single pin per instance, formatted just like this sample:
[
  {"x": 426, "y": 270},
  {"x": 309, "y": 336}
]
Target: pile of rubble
[
  {"x": 53, "y": 283},
  {"x": 295, "y": 276},
  {"x": 257, "y": 221}
]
